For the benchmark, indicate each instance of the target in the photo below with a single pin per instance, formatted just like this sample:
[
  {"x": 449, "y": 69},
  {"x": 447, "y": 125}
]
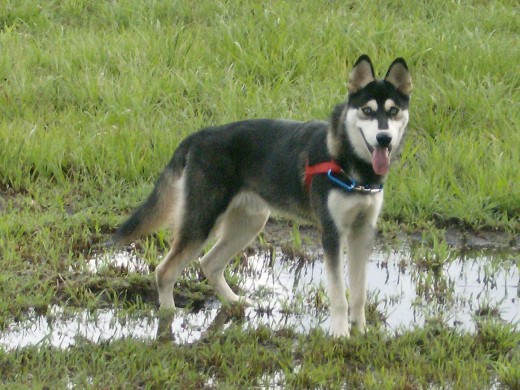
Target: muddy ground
[{"x": 413, "y": 279}]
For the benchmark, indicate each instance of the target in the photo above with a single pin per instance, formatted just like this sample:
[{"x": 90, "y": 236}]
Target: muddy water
[{"x": 403, "y": 293}]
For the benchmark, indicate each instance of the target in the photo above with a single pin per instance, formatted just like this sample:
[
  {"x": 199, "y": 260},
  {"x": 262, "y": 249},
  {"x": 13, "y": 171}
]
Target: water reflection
[{"x": 292, "y": 294}]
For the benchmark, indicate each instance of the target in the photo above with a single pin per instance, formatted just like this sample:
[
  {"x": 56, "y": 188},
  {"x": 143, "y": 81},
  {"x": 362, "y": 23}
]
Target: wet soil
[{"x": 479, "y": 280}]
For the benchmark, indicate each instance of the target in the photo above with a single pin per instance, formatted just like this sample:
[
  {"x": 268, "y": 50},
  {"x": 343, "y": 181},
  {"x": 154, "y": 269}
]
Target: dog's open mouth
[{"x": 380, "y": 157}]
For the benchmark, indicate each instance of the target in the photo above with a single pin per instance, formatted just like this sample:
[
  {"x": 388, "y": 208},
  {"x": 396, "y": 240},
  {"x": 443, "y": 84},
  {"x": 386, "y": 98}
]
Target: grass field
[{"x": 95, "y": 96}]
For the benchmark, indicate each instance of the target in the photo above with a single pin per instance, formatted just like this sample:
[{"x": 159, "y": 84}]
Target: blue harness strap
[{"x": 330, "y": 167}]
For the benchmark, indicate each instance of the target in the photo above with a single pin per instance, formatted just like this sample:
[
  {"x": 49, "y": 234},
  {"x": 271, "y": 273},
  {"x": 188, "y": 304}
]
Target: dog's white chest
[{"x": 348, "y": 210}]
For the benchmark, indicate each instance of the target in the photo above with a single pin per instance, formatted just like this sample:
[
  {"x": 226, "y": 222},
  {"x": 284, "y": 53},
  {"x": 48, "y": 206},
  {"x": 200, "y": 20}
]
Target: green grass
[
  {"x": 95, "y": 96},
  {"x": 436, "y": 357}
]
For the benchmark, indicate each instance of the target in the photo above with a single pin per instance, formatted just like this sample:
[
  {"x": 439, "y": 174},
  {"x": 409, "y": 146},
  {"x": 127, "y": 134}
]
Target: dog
[{"x": 224, "y": 181}]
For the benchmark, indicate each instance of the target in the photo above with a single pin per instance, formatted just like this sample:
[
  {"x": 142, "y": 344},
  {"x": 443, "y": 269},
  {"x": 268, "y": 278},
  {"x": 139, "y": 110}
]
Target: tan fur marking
[
  {"x": 360, "y": 76},
  {"x": 399, "y": 76},
  {"x": 389, "y": 103},
  {"x": 372, "y": 104}
]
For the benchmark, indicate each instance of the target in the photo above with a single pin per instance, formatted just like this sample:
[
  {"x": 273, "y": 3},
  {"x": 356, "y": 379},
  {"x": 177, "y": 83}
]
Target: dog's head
[{"x": 374, "y": 119}]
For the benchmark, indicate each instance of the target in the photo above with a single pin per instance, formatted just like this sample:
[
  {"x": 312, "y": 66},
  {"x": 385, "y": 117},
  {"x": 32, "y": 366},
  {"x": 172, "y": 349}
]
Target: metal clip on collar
[{"x": 352, "y": 186}]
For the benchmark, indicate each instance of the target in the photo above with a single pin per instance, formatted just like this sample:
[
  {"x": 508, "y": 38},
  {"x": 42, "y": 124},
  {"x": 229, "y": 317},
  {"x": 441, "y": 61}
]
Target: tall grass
[{"x": 100, "y": 92}]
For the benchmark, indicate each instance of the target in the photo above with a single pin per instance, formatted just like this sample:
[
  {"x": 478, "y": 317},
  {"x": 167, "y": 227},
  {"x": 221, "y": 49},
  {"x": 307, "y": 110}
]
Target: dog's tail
[
  {"x": 154, "y": 213},
  {"x": 159, "y": 208}
]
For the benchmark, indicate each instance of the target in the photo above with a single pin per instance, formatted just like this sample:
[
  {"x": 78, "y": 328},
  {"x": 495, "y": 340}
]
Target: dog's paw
[
  {"x": 340, "y": 328},
  {"x": 360, "y": 325},
  {"x": 246, "y": 302},
  {"x": 166, "y": 304},
  {"x": 238, "y": 301},
  {"x": 166, "y": 311}
]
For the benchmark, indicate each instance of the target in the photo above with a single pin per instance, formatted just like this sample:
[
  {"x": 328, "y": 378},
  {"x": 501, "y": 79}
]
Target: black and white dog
[{"x": 224, "y": 181}]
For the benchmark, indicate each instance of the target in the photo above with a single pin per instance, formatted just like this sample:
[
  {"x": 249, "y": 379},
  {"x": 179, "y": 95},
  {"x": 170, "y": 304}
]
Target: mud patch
[
  {"x": 402, "y": 294},
  {"x": 18, "y": 200}
]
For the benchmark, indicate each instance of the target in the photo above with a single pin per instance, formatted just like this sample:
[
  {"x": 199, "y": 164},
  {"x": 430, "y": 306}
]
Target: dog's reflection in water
[{"x": 225, "y": 314}]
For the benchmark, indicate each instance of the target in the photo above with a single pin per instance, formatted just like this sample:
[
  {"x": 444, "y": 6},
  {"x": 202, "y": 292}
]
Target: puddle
[
  {"x": 121, "y": 260},
  {"x": 60, "y": 329},
  {"x": 291, "y": 294},
  {"x": 458, "y": 293}
]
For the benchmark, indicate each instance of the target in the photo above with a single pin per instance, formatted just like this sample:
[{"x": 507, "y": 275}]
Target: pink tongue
[{"x": 380, "y": 161}]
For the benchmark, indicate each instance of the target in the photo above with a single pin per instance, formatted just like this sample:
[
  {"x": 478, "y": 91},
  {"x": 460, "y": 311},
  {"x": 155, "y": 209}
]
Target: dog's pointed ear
[
  {"x": 362, "y": 73},
  {"x": 399, "y": 76}
]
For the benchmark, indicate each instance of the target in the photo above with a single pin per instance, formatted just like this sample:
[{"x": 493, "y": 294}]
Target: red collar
[{"x": 324, "y": 167}]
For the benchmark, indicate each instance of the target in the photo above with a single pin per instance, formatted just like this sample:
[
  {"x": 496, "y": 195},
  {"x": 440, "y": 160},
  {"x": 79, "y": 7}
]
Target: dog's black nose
[{"x": 384, "y": 139}]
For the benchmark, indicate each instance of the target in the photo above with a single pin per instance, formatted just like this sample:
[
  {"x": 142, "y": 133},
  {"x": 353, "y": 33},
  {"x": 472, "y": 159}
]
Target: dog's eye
[
  {"x": 367, "y": 111},
  {"x": 393, "y": 111}
]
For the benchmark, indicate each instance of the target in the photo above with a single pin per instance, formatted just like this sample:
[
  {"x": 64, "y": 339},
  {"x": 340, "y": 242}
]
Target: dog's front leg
[
  {"x": 339, "y": 324},
  {"x": 359, "y": 246}
]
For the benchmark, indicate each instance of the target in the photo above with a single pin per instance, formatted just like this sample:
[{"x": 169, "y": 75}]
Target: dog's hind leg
[
  {"x": 170, "y": 268},
  {"x": 238, "y": 228}
]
